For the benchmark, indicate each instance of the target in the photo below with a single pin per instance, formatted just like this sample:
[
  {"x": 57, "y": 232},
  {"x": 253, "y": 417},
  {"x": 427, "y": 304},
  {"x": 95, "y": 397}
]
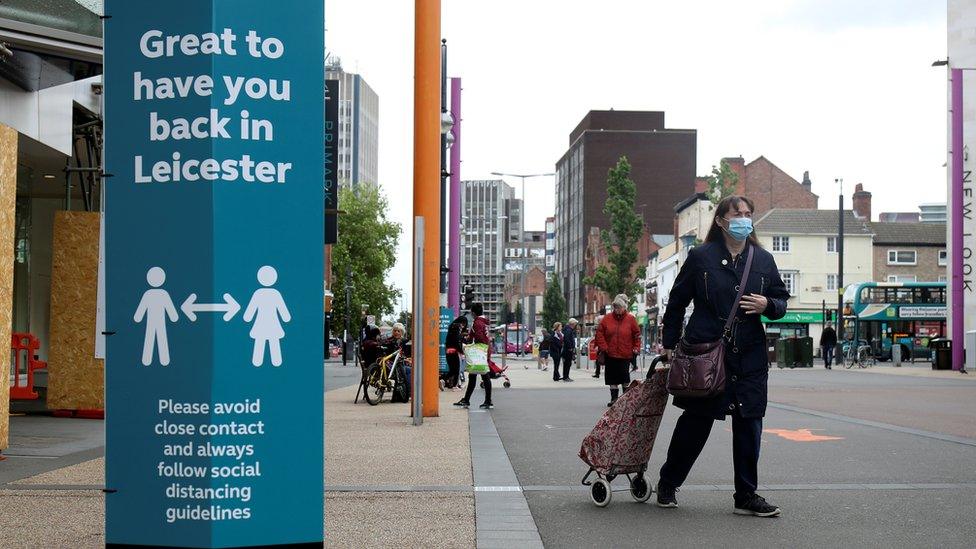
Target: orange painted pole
[{"x": 427, "y": 185}]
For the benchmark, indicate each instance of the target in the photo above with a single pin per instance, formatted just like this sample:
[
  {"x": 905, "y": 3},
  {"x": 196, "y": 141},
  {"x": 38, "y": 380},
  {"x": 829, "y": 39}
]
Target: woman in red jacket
[{"x": 618, "y": 339}]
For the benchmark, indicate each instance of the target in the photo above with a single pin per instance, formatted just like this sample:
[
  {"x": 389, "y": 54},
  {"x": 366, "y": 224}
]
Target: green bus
[{"x": 882, "y": 313}]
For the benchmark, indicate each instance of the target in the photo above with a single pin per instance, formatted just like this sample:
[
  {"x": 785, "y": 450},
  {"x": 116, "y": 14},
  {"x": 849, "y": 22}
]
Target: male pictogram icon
[{"x": 155, "y": 307}]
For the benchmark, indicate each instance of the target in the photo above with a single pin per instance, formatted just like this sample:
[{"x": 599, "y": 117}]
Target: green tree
[
  {"x": 406, "y": 318},
  {"x": 619, "y": 275},
  {"x": 722, "y": 182},
  {"x": 553, "y": 304},
  {"x": 519, "y": 314},
  {"x": 367, "y": 249}
]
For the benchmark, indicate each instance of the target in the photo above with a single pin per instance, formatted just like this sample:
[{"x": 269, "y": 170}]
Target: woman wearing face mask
[{"x": 710, "y": 277}]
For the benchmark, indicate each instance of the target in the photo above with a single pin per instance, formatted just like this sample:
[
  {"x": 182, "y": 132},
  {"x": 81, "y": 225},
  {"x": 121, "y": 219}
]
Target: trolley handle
[{"x": 659, "y": 359}]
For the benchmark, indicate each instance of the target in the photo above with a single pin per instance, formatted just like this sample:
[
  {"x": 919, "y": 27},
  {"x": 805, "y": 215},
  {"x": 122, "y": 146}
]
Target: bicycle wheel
[{"x": 375, "y": 385}]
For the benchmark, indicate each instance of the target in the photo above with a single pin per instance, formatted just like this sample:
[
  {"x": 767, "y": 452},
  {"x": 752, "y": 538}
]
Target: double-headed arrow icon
[{"x": 229, "y": 307}]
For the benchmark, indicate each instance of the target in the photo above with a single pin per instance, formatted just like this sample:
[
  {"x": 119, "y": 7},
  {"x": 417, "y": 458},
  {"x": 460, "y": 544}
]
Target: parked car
[{"x": 335, "y": 347}]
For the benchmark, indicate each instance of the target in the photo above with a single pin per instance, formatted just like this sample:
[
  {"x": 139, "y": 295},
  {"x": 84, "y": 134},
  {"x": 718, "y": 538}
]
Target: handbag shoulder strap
[{"x": 742, "y": 289}]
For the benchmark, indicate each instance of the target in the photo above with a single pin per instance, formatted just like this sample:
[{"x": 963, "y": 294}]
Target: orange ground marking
[{"x": 800, "y": 435}]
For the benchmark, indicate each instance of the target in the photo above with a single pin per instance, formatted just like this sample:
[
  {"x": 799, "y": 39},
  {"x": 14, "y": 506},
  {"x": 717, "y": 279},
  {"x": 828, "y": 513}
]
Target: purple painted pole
[
  {"x": 454, "y": 218},
  {"x": 958, "y": 325}
]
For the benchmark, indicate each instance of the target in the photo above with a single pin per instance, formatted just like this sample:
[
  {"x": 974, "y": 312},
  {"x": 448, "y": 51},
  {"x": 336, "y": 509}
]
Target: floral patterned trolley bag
[{"x": 621, "y": 442}]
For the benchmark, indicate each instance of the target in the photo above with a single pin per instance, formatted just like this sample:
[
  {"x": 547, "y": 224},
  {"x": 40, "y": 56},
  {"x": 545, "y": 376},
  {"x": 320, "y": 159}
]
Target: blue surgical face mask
[{"x": 740, "y": 228}]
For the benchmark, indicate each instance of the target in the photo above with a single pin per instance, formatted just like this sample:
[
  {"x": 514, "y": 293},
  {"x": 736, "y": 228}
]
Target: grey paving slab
[{"x": 502, "y": 516}]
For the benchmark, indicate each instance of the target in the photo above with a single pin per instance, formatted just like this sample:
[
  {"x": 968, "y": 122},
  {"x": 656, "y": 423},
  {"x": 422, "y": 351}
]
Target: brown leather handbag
[{"x": 698, "y": 369}]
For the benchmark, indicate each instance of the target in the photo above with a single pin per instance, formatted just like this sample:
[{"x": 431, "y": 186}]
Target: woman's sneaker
[
  {"x": 462, "y": 403},
  {"x": 666, "y": 495},
  {"x": 487, "y": 406},
  {"x": 756, "y": 506}
]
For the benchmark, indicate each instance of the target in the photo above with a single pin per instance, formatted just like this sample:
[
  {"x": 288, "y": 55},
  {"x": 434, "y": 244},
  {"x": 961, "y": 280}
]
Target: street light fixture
[{"x": 523, "y": 177}]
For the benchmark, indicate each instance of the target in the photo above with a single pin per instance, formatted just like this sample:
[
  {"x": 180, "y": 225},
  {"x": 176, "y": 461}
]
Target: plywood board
[
  {"x": 8, "y": 205},
  {"x": 76, "y": 378}
]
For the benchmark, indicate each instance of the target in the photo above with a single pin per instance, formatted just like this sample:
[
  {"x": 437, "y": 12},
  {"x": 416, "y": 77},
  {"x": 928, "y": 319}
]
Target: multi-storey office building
[
  {"x": 358, "y": 131},
  {"x": 662, "y": 168},
  {"x": 484, "y": 233}
]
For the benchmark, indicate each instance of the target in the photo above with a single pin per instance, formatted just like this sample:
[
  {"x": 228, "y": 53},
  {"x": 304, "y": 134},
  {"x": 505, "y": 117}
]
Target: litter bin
[
  {"x": 941, "y": 353},
  {"x": 896, "y": 353},
  {"x": 803, "y": 352},
  {"x": 785, "y": 353}
]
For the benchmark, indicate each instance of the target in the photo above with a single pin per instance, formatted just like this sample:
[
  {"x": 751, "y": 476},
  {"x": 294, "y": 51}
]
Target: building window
[
  {"x": 943, "y": 257},
  {"x": 901, "y": 257},
  {"x": 781, "y": 243},
  {"x": 789, "y": 279},
  {"x": 902, "y": 278},
  {"x": 831, "y": 244},
  {"x": 831, "y": 283}
]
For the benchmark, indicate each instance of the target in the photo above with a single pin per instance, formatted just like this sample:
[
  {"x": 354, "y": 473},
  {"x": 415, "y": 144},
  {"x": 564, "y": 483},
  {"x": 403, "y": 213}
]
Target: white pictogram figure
[
  {"x": 154, "y": 307},
  {"x": 268, "y": 310}
]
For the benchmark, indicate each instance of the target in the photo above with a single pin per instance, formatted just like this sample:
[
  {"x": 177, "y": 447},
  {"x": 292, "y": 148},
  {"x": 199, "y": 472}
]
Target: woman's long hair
[{"x": 715, "y": 233}]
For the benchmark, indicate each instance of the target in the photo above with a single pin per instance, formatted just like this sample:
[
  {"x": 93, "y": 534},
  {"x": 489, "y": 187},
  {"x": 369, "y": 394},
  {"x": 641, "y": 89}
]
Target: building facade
[
  {"x": 550, "y": 247},
  {"x": 932, "y": 213},
  {"x": 484, "y": 235},
  {"x": 804, "y": 244},
  {"x": 662, "y": 167},
  {"x": 909, "y": 252},
  {"x": 358, "y": 131},
  {"x": 767, "y": 185}
]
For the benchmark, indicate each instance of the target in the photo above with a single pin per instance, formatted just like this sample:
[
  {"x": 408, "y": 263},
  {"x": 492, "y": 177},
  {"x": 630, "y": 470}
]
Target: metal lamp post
[
  {"x": 840, "y": 268},
  {"x": 521, "y": 295},
  {"x": 447, "y": 139}
]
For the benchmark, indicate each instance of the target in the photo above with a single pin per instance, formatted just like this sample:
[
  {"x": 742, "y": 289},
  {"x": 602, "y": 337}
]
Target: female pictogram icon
[{"x": 268, "y": 310}]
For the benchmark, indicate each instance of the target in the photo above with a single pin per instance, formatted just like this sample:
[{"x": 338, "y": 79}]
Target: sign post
[{"x": 214, "y": 256}]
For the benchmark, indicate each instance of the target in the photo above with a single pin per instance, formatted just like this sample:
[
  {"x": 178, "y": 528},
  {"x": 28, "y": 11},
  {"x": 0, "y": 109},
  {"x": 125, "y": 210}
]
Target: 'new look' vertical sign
[{"x": 214, "y": 379}]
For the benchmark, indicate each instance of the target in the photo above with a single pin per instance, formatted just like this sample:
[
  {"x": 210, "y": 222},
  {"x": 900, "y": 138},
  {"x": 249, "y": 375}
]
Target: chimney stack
[
  {"x": 807, "y": 184},
  {"x": 862, "y": 203}
]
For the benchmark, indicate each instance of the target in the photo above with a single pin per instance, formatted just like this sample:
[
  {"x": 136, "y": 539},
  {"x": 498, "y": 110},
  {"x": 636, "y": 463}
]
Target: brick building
[
  {"x": 909, "y": 252},
  {"x": 903, "y": 252},
  {"x": 662, "y": 168},
  {"x": 767, "y": 186},
  {"x": 595, "y": 300}
]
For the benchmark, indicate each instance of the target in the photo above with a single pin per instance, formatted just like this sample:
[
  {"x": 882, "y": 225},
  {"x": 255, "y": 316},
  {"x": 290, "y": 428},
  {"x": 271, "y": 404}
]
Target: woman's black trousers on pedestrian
[
  {"x": 453, "y": 369},
  {"x": 555, "y": 366},
  {"x": 472, "y": 381},
  {"x": 689, "y": 438}
]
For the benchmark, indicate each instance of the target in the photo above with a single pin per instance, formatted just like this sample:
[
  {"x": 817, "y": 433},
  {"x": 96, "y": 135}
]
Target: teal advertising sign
[
  {"x": 214, "y": 258},
  {"x": 447, "y": 316}
]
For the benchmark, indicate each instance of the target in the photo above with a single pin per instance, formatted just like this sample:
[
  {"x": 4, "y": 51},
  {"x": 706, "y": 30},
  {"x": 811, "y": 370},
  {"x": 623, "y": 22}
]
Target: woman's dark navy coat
[{"x": 709, "y": 279}]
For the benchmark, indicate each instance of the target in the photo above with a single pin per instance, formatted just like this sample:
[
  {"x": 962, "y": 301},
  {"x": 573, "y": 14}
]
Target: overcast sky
[{"x": 842, "y": 88}]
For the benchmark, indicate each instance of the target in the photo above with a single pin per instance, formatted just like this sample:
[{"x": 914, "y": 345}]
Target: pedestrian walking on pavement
[
  {"x": 617, "y": 340},
  {"x": 543, "y": 359},
  {"x": 478, "y": 334},
  {"x": 710, "y": 277},
  {"x": 457, "y": 332},
  {"x": 569, "y": 347},
  {"x": 828, "y": 340},
  {"x": 599, "y": 358},
  {"x": 556, "y": 349}
]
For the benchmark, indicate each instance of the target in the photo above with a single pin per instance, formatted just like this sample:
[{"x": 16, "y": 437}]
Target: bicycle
[
  {"x": 386, "y": 375},
  {"x": 862, "y": 357}
]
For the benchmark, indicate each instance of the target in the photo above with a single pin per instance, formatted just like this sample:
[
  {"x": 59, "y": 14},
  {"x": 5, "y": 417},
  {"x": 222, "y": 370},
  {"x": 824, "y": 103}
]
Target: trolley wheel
[
  {"x": 639, "y": 489},
  {"x": 374, "y": 385},
  {"x": 600, "y": 493},
  {"x": 507, "y": 384}
]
